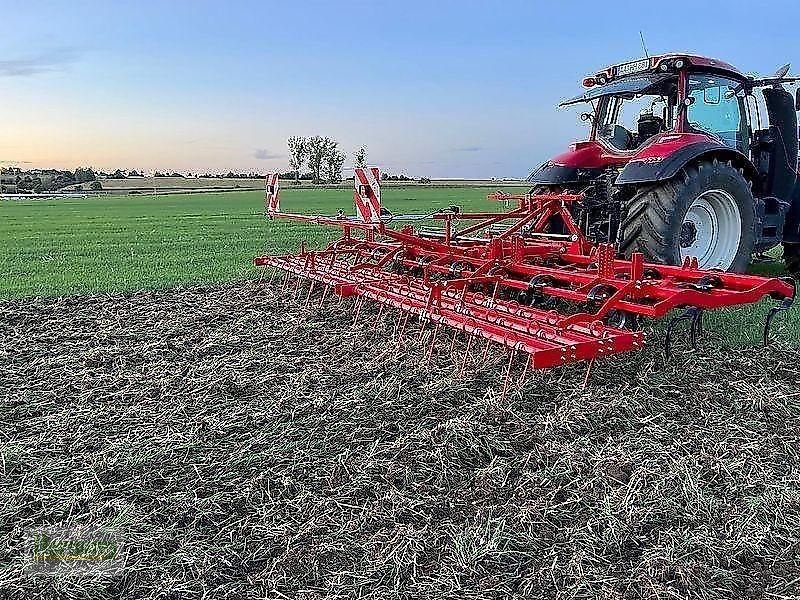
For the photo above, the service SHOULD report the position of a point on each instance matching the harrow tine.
(466, 355)
(511, 356)
(403, 327)
(324, 295)
(423, 323)
(310, 291)
(524, 373)
(380, 312)
(359, 305)
(272, 276)
(433, 342)
(285, 282)
(486, 350)
(588, 372)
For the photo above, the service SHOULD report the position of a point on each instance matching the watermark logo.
(71, 549)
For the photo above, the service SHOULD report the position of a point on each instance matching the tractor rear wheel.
(791, 256)
(705, 212)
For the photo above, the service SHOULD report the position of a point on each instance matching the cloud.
(468, 149)
(46, 62)
(264, 154)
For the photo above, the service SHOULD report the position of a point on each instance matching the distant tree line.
(322, 158)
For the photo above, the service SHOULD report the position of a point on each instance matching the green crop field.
(104, 244)
(98, 244)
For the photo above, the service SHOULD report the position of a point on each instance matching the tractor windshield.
(631, 110)
(627, 120)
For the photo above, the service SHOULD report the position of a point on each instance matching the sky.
(434, 88)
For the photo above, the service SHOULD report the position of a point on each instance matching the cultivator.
(511, 277)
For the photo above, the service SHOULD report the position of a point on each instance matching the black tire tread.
(647, 225)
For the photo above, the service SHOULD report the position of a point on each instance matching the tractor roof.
(653, 63)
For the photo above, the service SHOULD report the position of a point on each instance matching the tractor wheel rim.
(711, 230)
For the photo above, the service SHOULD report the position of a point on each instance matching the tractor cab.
(673, 125)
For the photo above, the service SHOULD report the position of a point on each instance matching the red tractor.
(687, 157)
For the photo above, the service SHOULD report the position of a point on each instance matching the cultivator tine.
(308, 296)
(507, 376)
(785, 305)
(359, 303)
(466, 355)
(524, 375)
(434, 334)
(324, 295)
(694, 316)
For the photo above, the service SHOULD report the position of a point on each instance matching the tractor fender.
(654, 168)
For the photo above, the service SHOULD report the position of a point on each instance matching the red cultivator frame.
(506, 278)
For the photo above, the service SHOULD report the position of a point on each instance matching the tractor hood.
(585, 161)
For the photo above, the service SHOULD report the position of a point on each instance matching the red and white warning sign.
(272, 195)
(367, 194)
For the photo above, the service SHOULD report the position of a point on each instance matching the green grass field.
(131, 242)
(107, 244)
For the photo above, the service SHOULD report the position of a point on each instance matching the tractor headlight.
(664, 67)
(680, 63)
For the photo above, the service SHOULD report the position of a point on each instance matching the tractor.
(687, 157)
(686, 174)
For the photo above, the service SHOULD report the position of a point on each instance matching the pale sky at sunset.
(436, 88)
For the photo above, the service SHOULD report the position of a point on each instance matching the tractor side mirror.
(797, 99)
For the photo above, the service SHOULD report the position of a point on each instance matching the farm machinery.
(628, 225)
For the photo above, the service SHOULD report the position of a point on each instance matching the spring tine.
(423, 323)
(285, 281)
(405, 322)
(297, 286)
(310, 291)
(466, 355)
(324, 295)
(508, 372)
(272, 276)
(380, 311)
(433, 341)
(588, 372)
(359, 304)
(524, 372)
(453, 341)
(485, 350)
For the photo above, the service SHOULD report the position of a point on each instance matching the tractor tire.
(705, 212)
(791, 256)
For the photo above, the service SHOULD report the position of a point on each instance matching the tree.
(318, 149)
(298, 151)
(360, 157)
(334, 161)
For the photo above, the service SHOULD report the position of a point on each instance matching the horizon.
(453, 90)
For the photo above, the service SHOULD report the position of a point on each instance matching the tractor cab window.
(717, 108)
(631, 119)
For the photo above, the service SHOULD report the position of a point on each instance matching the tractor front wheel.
(706, 213)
